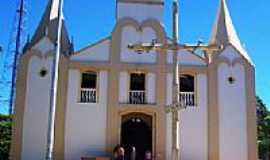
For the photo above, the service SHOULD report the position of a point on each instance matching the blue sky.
(91, 20)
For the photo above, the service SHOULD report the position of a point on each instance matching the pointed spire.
(224, 32)
(48, 25)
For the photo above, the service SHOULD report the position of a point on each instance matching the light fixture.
(136, 120)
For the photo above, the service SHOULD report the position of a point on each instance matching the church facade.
(109, 95)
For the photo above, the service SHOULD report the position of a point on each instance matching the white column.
(151, 88)
(123, 87)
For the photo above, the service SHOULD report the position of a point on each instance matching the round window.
(43, 72)
(231, 79)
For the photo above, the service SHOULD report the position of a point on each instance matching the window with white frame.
(137, 88)
(187, 89)
(88, 87)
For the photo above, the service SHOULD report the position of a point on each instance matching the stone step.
(95, 158)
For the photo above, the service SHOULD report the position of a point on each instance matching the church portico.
(137, 134)
(154, 119)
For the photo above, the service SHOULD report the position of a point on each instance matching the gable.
(230, 52)
(96, 52)
(130, 35)
(44, 45)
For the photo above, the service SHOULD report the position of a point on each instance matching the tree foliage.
(5, 136)
(263, 120)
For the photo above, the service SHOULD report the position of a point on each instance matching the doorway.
(136, 131)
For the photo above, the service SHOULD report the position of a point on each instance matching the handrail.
(88, 95)
(188, 98)
(137, 97)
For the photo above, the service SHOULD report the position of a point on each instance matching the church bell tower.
(141, 10)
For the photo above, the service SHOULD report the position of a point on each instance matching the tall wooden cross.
(177, 104)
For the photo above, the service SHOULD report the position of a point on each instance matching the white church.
(109, 95)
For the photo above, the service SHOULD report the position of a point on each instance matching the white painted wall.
(140, 12)
(124, 87)
(35, 122)
(131, 35)
(232, 113)
(193, 124)
(186, 58)
(44, 45)
(85, 128)
(230, 53)
(169, 117)
(169, 136)
(98, 52)
(151, 88)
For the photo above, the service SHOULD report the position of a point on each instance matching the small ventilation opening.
(43, 72)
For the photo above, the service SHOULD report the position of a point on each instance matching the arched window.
(88, 87)
(187, 89)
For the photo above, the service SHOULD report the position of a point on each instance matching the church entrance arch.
(136, 131)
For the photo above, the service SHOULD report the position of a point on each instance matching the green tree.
(263, 120)
(5, 136)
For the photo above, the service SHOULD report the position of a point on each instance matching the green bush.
(263, 116)
(5, 136)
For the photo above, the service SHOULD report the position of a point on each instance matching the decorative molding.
(116, 67)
